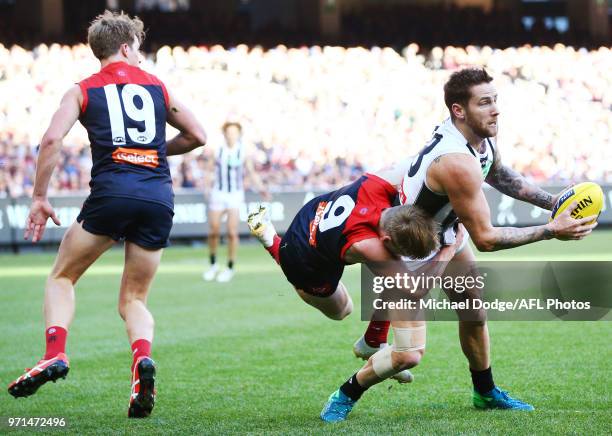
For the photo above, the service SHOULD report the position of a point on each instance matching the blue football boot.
(498, 399)
(337, 408)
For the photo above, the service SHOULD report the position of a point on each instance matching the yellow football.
(589, 197)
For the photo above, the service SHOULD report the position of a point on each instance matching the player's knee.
(62, 274)
(406, 352)
(343, 312)
(388, 362)
(407, 359)
(339, 315)
(408, 346)
(346, 309)
(121, 308)
(127, 299)
(233, 235)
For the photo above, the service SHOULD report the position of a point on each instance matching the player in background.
(227, 196)
(355, 224)
(445, 179)
(124, 110)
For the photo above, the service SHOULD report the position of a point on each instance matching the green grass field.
(250, 357)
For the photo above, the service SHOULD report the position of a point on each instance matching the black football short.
(305, 270)
(144, 223)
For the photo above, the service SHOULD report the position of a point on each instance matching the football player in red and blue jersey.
(358, 224)
(125, 111)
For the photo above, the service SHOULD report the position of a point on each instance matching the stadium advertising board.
(190, 213)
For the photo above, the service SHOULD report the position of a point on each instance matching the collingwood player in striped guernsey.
(231, 160)
(445, 179)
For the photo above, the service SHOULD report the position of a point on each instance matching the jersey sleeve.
(358, 233)
(375, 195)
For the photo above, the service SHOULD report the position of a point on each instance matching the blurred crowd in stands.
(317, 117)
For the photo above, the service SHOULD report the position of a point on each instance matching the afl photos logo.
(136, 156)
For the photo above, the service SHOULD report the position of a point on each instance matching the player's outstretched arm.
(509, 182)
(48, 156)
(460, 178)
(191, 133)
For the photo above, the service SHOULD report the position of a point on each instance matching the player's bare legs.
(78, 250)
(399, 361)
(214, 233)
(474, 338)
(139, 270)
(407, 350)
(233, 220)
(473, 335)
(337, 306)
(475, 344)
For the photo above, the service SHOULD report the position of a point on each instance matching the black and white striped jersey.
(229, 166)
(446, 139)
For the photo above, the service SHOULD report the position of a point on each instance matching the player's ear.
(385, 238)
(458, 111)
(124, 49)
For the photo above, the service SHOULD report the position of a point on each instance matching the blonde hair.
(110, 30)
(412, 231)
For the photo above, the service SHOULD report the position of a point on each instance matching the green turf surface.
(250, 357)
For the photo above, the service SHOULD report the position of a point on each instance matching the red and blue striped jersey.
(329, 224)
(124, 111)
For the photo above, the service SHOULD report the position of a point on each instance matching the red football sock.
(140, 348)
(56, 341)
(273, 249)
(376, 333)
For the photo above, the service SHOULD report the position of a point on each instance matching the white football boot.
(225, 275)
(362, 350)
(261, 226)
(211, 273)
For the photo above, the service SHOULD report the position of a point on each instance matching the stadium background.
(325, 90)
(230, 59)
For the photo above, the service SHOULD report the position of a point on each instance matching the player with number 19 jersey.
(124, 111)
(312, 250)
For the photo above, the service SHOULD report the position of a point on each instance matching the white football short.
(220, 200)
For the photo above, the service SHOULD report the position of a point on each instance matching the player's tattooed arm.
(462, 180)
(509, 182)
(564, 227)
(510, 237)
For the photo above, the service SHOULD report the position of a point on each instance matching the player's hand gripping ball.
(589, 197)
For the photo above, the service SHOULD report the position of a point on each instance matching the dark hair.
(413, 232)
(458, 88)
